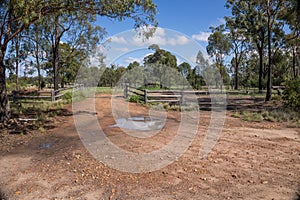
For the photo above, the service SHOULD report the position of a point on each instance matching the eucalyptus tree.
(239, 47)
(37, 47)
(275, 35)
(291, 16)
(135, 74)
(260, 21)
(218, 47)
(160, 64)
(16, 54)
(69, 63)
(22, 14)
(248, 17)
(184, 70)
(195, 76)
(73, 28)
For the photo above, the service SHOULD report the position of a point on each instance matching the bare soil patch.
(250, 161)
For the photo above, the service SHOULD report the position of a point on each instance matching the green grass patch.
(271, 115)
(135, 99)
(103, 90)
(42, 111)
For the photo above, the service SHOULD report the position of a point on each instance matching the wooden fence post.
(181, 96)
(126, 91)
(145, 96)
(53, 95)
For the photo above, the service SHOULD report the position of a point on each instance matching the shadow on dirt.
(3, 196)
(31, 120)
(235, 104)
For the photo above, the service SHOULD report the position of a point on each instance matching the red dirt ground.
(250, 161)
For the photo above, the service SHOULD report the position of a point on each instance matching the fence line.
(53, 95)
(148, 96)
(175, 96)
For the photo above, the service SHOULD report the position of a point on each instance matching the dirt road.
(249, 161)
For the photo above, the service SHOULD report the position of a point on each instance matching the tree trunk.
(294, 64)
(269, 84)
(260, 75)
(236, 84)
(17, 63)
(55, 47)
(55, 67)
(4, 103)
(38, 61)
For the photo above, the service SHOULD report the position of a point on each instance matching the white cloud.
(160, 38)
(155, 39)
(130, 59)
(116, 39)
(178, 40)
(123, 49)
(160, 32)
(202, 36)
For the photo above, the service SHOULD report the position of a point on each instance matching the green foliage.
(271, 115)
(110, 76)
(135, 98)
(103, 90)
(218, 43)
(67, 97)
(160, 65)
(78, 95)
(291, 94)
(42, 111)
(150, 87)
(10, 87)
(252, 116)
(218, 46)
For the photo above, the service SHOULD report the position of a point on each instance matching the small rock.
(264, 182)
(234, 175)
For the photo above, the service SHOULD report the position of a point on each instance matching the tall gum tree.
(239, 47)
(218, 47)
(247, 16)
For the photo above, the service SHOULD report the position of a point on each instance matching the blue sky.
(191, 18)
(186, 16)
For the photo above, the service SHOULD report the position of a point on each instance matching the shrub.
(67, 97)
(291, 94)
(135, 98)
(10, 87)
